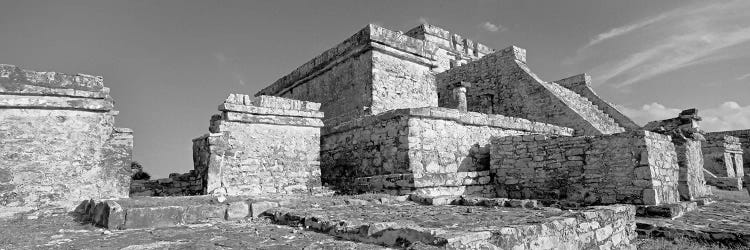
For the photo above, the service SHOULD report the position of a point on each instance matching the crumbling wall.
(635, 167)
(501, 83)
(744, 139)
(58, 143)
(452, 49)
(722, 155)
(260, 145)
(685, 134)
(435, 151)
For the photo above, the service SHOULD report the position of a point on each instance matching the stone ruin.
(260, 145)
(425, 113)
(724, 161)
(58, 142)
(686, 136)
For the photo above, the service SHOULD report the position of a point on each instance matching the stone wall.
(501, 83)
(692, 182)
(722, 156)
(744, 139)
(636, 167)
(373, 71)
(175, 185)
(260, 145)
(58, 143)
(452, 49)
(433, 150)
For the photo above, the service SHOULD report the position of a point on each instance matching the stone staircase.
(585, 108)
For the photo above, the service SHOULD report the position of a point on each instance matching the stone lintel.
(269, 111)
(33, 90)
(271, 119)
(11, 76)
(55, 102)
(123, 130)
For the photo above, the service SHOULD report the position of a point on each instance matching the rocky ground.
(62, 232)
(731, 213)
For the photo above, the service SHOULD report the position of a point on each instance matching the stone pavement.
(62, 232)
(722, 221)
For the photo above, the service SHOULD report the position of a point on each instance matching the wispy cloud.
(678, 52)
(619, 31)
(423, 20)
(743, 77)
(491, 27)
(669, 41)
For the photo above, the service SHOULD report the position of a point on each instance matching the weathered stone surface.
(636, 167)
(744, 139)
(686, 135)
(203, 212)
(723, 222)
(154, 217)
(722, 158)
(435, 150)
(452, 227)
(58, 143)
(237, 210)
(62, 232)
(260, 149)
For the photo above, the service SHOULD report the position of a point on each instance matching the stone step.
(154, 212)
(585, 108)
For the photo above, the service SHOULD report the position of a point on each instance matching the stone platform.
(726, 222)
(62, 232)
(391, 221)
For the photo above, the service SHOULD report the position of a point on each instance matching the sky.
(171, 63)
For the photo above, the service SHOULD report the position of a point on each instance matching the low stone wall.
(635, 167)
(176, 185)
(58, 141)
(260, 145)
(438, 151)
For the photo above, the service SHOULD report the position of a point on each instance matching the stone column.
(459, 95)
